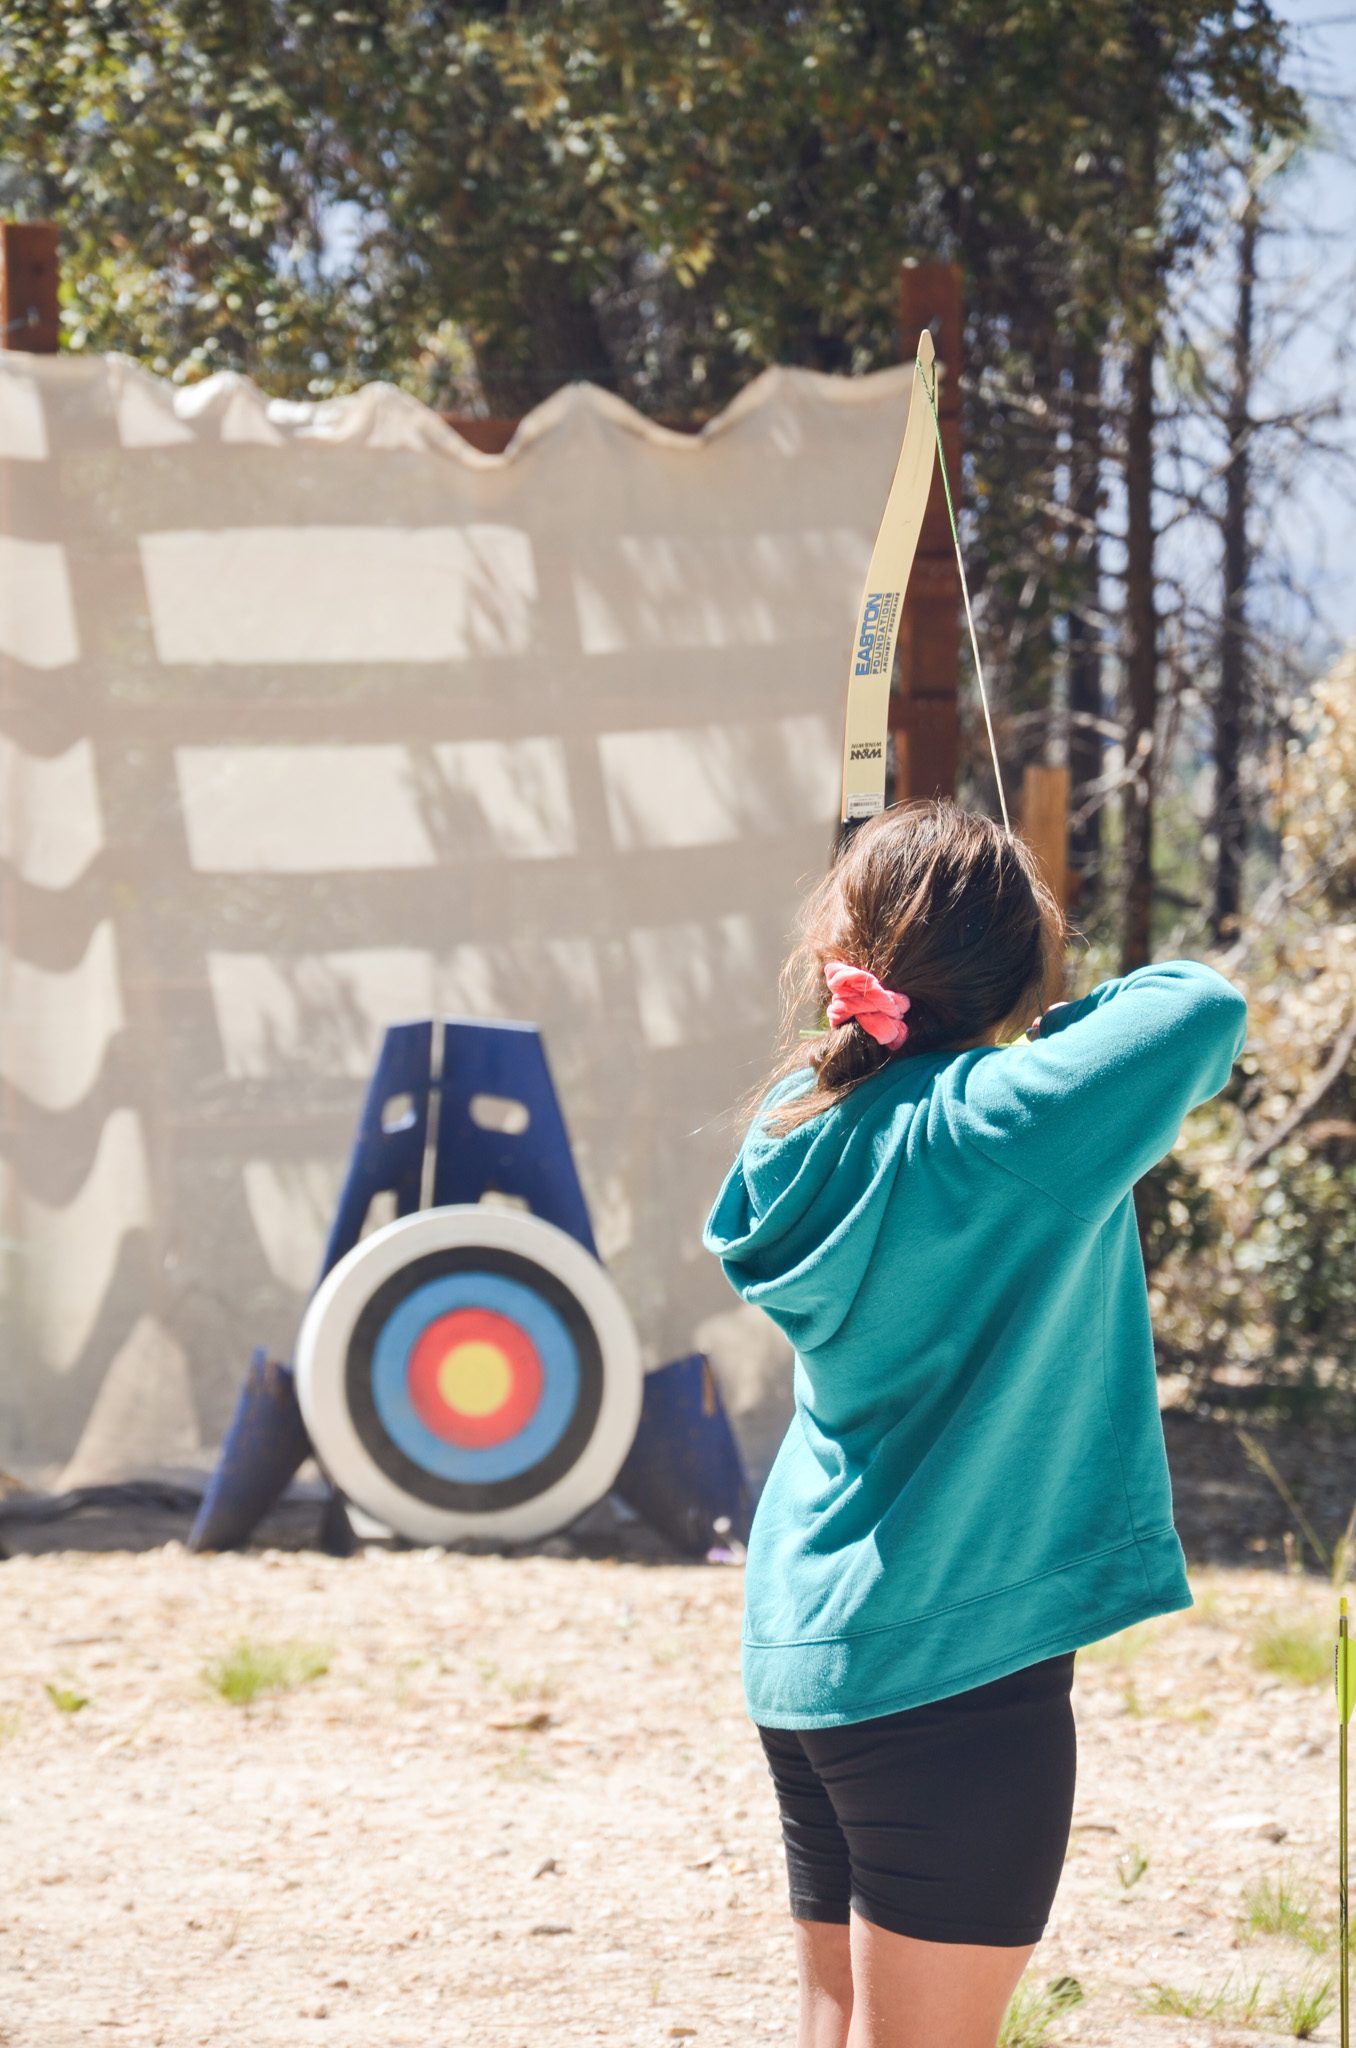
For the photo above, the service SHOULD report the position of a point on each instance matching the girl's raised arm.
(1098, 1096)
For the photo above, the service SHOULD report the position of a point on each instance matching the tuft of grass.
(1131, 1867)
(1338, 1560)
(1298, 1651)
(1207, 1609)
(405, 1687)
(522, 1767)
(1231, 2008)
(9, 1726)
(1344, 1552)
(1279, 1906)
(543, 1688)
(64, 1699)
(1195, 1716)
(1032, 2012)
(251, 1668)
(1303, 2007)
(1124, 1647)
(1260, 1459)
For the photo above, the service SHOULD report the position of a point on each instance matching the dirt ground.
(522, 1805)
(516, 1801)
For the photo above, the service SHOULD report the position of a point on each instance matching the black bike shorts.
(948, 1821)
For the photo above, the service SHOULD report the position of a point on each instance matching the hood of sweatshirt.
(797, 1218)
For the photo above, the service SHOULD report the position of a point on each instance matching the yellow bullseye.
(475, 1378)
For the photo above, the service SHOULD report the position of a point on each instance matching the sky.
(1317, 252)
(1302, 594)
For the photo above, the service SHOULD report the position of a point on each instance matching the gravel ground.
(522, 1805)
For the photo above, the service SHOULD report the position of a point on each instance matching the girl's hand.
(1034, 1028)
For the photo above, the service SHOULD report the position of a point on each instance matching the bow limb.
(866, 724)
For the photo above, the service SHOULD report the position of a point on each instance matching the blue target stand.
(421, 1142)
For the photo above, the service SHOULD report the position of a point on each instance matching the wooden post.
(1045, 823)
(28, 320)
(923, 709)
(28, 286)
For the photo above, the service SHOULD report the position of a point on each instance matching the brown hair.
(940, 904)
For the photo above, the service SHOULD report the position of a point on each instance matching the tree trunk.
(1029, 667)
(558, 340)
(1082, 635)
(1141, 663)
(1230, 818)
(1141, 603)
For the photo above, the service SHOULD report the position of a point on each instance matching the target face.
(469, 1371)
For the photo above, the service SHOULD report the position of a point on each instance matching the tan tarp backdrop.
(313, 719)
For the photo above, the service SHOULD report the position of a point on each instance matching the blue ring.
(390, 1377)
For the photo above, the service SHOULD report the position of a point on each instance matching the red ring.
(481, 1326)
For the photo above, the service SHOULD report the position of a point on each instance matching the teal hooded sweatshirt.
(974, 1477)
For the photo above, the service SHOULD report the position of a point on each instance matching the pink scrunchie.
(855, 992)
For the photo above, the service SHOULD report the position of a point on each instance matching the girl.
(974, 1481)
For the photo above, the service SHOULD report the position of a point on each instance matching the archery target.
(469, 1371)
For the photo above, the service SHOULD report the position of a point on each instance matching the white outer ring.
(322, 1347)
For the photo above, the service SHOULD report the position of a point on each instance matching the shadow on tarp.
(683, 1473)
(1226, 1512)
(145, 1514)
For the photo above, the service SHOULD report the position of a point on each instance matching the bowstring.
(931, 392)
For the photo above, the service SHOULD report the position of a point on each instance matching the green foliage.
(183, 151)
(1178, 1215)
(1304, 1247)
(1254, 1265)
(1315, 790)
(251, 1668)
(663, 197)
